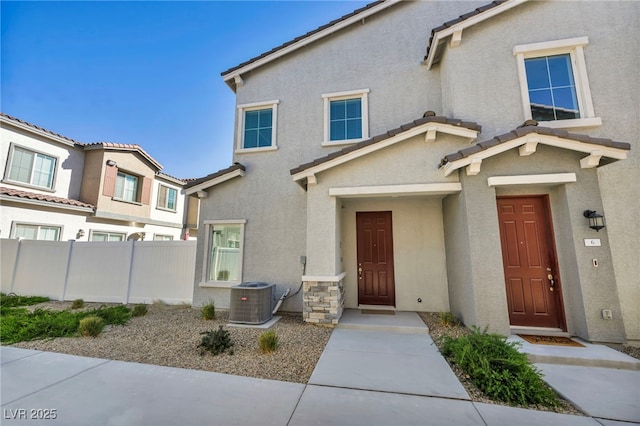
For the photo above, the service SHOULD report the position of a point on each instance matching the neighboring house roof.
(11, 194)
(123, 147)
(453, 29)
(429, 124)
(200, 184)
(526, 137)
(24, 124)
(171, 178)
(232, 75)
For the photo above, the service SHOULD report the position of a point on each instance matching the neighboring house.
(344, 184)
(56, 188)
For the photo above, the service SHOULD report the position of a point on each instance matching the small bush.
(209, 311)
(216, 342)
(77, 304)
(91, 326)
(140, 310)
(447, 319)
(12, 300)
(497, 368)
(268, 341)
(116, 315)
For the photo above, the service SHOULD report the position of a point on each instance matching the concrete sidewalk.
(364, 377)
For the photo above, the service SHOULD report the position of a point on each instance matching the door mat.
(551, 340)
(376, 312)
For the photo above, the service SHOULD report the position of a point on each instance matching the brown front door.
(530, 264)
(375, 259)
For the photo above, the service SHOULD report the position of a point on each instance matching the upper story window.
(36, 232)
(106, 236)
(257, 123)
(158, 237)
(167, 198)
(554, 83)
(126, 187)
(346, 117)
(31, 167)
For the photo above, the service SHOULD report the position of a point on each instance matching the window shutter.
(146, 191)
(110, 181)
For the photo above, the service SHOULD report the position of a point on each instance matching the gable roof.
(111, 146)
(233, 75)
(526, 137)
(37, 129)
(453, 29)
(43, 199)
(429, 124)
(213, 179)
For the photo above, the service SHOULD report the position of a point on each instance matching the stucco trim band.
(324, 278)
(554, 178)
(397, 190)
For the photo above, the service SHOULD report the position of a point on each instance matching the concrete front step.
(400, 322)
(591, 355)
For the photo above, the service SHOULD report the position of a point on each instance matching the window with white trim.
(225, 245)
(167, 198)
(31, 167)
(126, 187)
(106, 236)
(158, 237)
(36, 232)
(257, 124)
(346, 117)
(554, 83)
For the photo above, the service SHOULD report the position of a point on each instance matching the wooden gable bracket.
(238, 80)
(202, 194)
(430, 135)
(529, 147)
(456, 38)
(312, 180)
(592, 160)
(474, 166)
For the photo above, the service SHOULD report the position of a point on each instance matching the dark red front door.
(375, 259)
(528, 253)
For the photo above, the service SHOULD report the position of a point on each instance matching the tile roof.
(459, 19)
(429, 117)
(530, 126)
(43, 197)
(309, 34)
(33, 126)
(198, 181)
(123, 147)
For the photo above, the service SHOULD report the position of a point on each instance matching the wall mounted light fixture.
(80, 234)
(596, 220)
(111, 163)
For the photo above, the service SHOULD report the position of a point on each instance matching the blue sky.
(143, 72)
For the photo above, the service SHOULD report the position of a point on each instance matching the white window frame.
(92, 232)
(363, 94)
(7, 178)
(162, 237)
(165, 208)
(274, 125)
(14, 229)
(208, 224)
(136, 198)
(575, 48)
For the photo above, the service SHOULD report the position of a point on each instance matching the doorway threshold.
(538, 331)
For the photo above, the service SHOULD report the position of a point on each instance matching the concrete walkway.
(364, 377)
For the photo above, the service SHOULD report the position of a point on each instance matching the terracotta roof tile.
(428, 118)
(125, 147)
(43, 197)
(525, 130)
(198, 181)
(309, 34)
(26, 123)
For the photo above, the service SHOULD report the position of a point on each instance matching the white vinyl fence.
(117, 272)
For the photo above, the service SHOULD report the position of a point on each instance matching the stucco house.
(56, 188)
(439, 156)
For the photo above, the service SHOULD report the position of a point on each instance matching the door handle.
(360, 272)
(551, 282)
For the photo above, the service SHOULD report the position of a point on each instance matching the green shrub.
(497, 368)
(268, 341)
(91, 326)
(216, 342)
(115, 315)
(140, 310)
(12, 300)
(447, 319)
(77, 304)
(209, 311)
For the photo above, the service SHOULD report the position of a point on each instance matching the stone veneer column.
(323, 302)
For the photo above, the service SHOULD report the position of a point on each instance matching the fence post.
(126, 297)
(15, 266)
(66, 273)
